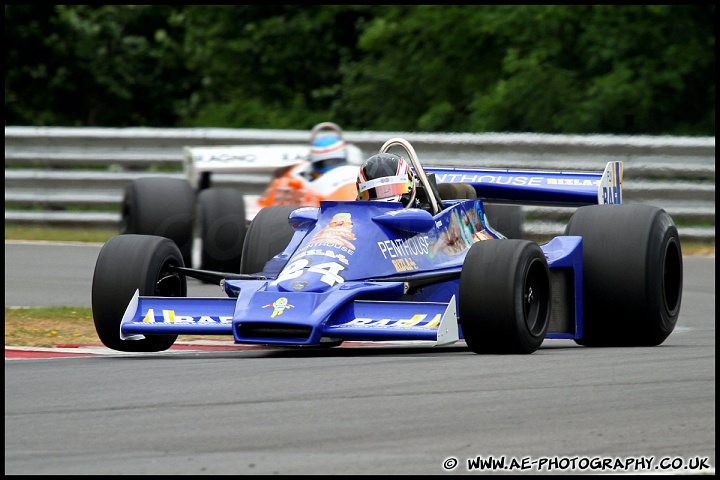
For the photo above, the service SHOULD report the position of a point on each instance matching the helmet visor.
(324, 166)
(384, 187)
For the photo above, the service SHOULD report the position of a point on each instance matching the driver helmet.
(326, 153)
(386, 177)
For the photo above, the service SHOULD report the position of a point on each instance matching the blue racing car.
(437, 272)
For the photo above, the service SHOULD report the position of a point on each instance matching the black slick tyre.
(268, 234)
(160, 206)
(127, 263)
(632, 274)
(221, 218)
(506, 219)
(504, 297)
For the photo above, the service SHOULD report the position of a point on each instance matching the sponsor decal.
(405, 264)
(325, 253)
(611, 184)
(287, 195)
(288, 156)
(464, 228)
(572, 182)
(279, 306)
(229, 158)
(337, 233)
(516, 180)
(348, 251)
(418, 320)
(398, 247)
(169, 316)
(484, 178)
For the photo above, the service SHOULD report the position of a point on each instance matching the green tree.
(546, 68)
(627, 69)
(421, 67)
(81, 65)
(268, 66)
(638, 69)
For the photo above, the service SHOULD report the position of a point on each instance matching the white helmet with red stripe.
(386, 177)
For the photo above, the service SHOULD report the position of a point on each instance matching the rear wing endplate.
(610, 188)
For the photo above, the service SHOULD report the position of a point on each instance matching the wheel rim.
(535, 298)
(671, 284)
(169, 283)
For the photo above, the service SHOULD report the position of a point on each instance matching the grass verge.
(58, 234)
(57, 326)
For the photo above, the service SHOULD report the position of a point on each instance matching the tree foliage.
(635, 69)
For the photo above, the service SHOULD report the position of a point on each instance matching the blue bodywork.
(368, 271)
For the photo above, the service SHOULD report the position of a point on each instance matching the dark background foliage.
(635, 69)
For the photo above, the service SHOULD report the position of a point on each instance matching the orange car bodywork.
(290, 187)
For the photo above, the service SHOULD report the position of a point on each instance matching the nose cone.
(308, 283)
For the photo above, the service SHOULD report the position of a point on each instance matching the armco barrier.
(76, 176)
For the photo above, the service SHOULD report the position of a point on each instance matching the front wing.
(291, 318)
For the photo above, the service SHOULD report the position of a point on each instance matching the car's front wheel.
(127, 263)
(504, 297)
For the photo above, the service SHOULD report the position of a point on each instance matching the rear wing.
(535, 187)
(249, 159)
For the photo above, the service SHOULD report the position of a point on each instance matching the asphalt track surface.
(214, 408)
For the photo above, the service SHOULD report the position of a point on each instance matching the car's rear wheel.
(221, 218)
(632, 274)
(506, 219)
(160, 206)
(504, 297)
(127, 263)
(268, 234)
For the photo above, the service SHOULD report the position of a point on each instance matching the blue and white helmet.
(326, 153)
